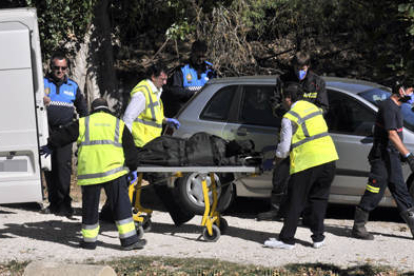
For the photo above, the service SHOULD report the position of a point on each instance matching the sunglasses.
(57, 68)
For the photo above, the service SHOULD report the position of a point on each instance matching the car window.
(375, 96)
(256, 106)
(217, 109)
(348, 116)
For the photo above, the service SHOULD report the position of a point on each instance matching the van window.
(348, 116)
(256, 106)
(217, 109)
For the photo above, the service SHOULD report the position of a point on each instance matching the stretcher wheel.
(140, 230)
(147, 225)
(223, 225)
(214, 237)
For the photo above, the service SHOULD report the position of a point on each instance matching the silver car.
(240, 108)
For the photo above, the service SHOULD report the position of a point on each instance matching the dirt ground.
(26, 234)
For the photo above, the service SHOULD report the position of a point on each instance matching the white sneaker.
(318, 244)
(274, 243)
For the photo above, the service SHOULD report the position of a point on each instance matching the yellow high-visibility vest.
(100, 154)
(148, 125)
(311, 143)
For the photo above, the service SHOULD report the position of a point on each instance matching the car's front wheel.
(191, 196)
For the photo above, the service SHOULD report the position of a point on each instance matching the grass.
(157, 266)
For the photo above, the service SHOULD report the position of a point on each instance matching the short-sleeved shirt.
(389, 117)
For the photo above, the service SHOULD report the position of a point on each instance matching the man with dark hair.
(305, 136)
(312, 89)
(144, 114)
(384, 159)
(187, 79)
(312, 85)
(106, 154)
(62, 95)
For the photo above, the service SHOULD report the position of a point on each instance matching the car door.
(350, 124)
(255, 120)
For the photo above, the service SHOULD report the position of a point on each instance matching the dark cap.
(292, 90)
(99, 104)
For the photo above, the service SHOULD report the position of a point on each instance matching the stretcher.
(212, 222)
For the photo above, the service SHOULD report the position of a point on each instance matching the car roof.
(350, 85)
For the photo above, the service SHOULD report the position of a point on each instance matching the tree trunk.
(84, 71)
(103, 56)
(94, 62)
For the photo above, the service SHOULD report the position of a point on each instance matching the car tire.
(190, 193)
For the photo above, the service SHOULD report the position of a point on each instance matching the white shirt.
(137, 105)
(286, 134)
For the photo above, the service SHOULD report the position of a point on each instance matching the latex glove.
(45, 150)
(172, 122)
(410, 161)
(132, 177)
(267, 165)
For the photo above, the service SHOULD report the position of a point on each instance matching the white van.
(23, 119)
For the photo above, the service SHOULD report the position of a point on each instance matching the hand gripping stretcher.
(211, 220)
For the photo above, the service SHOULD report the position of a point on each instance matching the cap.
(99, 104)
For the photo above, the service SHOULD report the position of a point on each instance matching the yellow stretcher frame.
(212, 221)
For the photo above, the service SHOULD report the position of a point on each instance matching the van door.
(20, 174)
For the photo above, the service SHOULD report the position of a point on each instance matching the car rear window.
(377, 95)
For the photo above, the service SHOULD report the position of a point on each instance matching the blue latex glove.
(132, 177)
(172, 122)
(45, 150)
(267, 165)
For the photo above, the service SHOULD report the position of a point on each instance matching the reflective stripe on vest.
(90, 232)
(310, 95)
(88, 142)
(101, 156)
(148, 125)
(126, 228)
(311, 143)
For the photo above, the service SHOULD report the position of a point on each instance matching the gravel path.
(28, 235)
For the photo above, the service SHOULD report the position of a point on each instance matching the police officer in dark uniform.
(384, 159)
(187, 79)
(62, 97)
(312, 89)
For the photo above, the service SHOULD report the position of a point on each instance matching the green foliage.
(60, 21)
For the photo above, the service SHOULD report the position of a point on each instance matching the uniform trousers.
(386, 171)
(58, 179)
(308, 188)
(117, 200)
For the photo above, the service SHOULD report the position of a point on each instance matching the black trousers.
(281, 177)
(117, 200)
(308, 188)
(58, 179)
(386, 171)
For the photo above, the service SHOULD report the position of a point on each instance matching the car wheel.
(410, 184)
(191, 197)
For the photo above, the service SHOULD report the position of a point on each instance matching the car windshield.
(377, 95)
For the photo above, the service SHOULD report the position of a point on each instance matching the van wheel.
(410, 184)
(190, 193)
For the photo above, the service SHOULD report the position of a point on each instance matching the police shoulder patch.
(189, 77)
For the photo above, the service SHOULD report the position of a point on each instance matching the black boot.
(359, 231)
(275, 201)
(408, 216)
